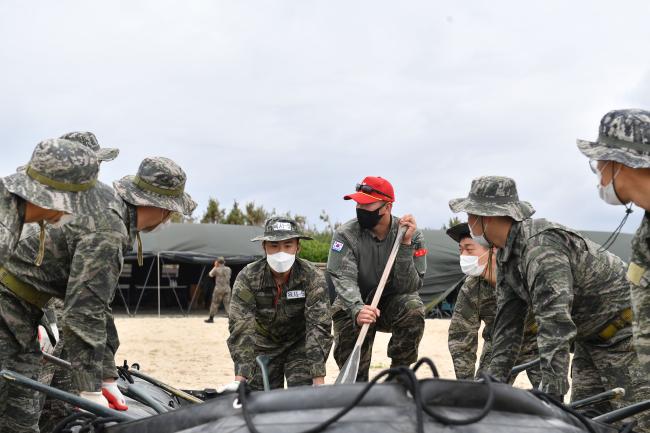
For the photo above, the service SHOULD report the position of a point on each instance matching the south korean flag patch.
(337, 246)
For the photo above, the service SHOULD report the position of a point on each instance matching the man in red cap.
(359, 252)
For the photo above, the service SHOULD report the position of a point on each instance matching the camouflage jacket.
(262, 314)
(12, 215)
(221, 277)
(638, 274)
(357, 259)
(476, 303)
(573, 288)
(82, 264)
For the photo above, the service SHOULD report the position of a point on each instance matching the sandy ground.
(190, 354)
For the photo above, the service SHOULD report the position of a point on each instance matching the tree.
(255, 215)
(235, 216)
(179, 218)
(453, 221)
(213, 214)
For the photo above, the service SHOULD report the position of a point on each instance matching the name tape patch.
(295, 294)
(282, 226)
(337, 246)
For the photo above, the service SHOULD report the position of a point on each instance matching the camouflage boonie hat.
(57, 175)
(89, 140)
(221, 260)
(280, 229)
(623, 136)
(459, 232)
(493, 196)
(160, 182)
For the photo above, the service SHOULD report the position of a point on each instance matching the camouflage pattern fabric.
(89, 140)
(493, 196)
(575, 290)
(278, 229)
(402, 315)
(597, 368)
(265, 319)
(638, 274)
(160, 182)
(623, 136)
(19, 352)
(355, 264)
(476, 303)
(58, 176)
(221, 293)
(82, 265)
(357, 259)
(12, 215)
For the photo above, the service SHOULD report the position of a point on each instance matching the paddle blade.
(348, 373)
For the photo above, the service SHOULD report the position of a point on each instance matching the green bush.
(316, 250)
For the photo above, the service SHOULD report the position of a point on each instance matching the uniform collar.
(511, 243)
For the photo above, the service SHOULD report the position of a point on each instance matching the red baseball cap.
(372, 189)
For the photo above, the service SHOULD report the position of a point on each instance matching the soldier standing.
(82, 266)
(280, 308)
(477, 302)
(359, 252)
(58, 179)
(620, 157)
(221, 274)
(577, 291)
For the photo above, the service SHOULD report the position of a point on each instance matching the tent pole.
(158, 260)
(198, 288)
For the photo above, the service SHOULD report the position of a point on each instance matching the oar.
(263, 362)
(348, 373)
(612, 394)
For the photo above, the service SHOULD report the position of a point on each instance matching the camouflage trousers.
(220, 295)
(401, 315)
(19, 352)
(529, 353)
(286, 361)
(53, 410)
(640, 297)
(599, 368)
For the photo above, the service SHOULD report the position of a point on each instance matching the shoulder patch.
(634, 273)
(247, 296)
(420, 252)
(337, 246)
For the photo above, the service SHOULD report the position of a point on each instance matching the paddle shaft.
(382, 283)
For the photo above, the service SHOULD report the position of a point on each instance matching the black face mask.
(368, 219)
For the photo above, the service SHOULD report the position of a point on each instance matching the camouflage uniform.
(290, 324)
(624, 137)
(577, 291)
(476, 302)
(221, 293)
(355, 264)
(61, 175)
(82, 266)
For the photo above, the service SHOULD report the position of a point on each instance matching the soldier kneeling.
(280, 308)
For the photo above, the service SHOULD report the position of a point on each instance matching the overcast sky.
(290, 103)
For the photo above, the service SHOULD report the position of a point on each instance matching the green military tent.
(180, 256)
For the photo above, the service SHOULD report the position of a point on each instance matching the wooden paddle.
(348, 373)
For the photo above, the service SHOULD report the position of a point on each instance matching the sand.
(190, 354)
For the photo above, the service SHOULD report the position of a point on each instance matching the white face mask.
(470, 265)
(607, 193)
(281, 262)
(65, 218)
(479, 239)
